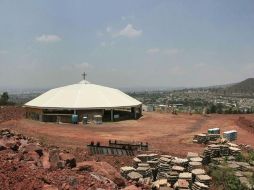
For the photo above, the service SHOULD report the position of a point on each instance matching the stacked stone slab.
(234, 151)
(213, 137)
(136, 161)
(181, 184)
(218, 160)
(196, 172)
(135, 176)
(126, 170)
(196, 159)
(178, 169)
(224, 150)
(180, 162)
(163, 169)
(205, 179)
(166, 156)
(245, 182)
(165, 160)
(244, 166)
(143, 165)
(206, 156)
(194, 165)
(233, 165)
(168, 171)
(152, 157)
(160, 183)
(153, 163)
(192, 155)
(144, 171)
(215, 150)
(199, 186)
(173, 177)
(200, 138)
(143, 157)
(186, 176)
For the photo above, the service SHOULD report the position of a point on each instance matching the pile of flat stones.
(220, 150)
(167, 172)
(242, 170)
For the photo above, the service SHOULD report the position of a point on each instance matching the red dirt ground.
(165, 132)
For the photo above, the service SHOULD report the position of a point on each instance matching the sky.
(126, 44)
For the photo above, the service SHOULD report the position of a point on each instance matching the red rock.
(84, 166)
(33, 147)
(54, 158)
(131, 187)
(45, 160)
(61, 164)
(103, 169)
(49, 187)
(31, 156)
(2, 146)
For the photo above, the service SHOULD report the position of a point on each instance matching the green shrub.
(224, 176)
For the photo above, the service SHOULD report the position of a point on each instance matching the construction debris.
(205, 179)
(27, 164)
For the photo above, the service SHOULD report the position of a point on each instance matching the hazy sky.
(129, 43)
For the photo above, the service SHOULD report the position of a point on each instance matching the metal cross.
(84, 75)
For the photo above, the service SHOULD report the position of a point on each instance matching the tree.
(213, 109)
(4, 98)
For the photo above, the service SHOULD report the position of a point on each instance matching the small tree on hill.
(4, 98)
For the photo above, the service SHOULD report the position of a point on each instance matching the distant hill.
(246, 86)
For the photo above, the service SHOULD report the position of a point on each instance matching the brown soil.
(11, 112)
(165, 132)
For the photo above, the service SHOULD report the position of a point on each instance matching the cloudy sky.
(159, 43)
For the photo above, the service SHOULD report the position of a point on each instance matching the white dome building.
(83, 99)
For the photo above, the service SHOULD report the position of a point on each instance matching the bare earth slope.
(165, 132)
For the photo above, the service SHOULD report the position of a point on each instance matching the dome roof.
(83, 95)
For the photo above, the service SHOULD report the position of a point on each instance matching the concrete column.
(75, 112)
(41, 117)
(112, 115)
(135, 113)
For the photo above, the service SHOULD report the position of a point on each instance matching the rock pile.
(26, 164)
(219, 150)
(168, 172)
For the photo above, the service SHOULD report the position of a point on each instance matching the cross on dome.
(84, 75)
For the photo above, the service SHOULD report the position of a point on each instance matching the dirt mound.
(25, 164)
(246, 124)
(11, 113)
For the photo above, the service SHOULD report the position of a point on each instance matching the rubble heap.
(26, 164)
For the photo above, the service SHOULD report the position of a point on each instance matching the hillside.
(246, 86)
